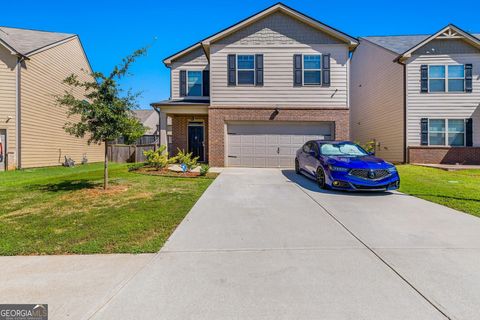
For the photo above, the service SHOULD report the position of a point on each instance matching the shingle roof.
(400, 44)
(25, 41)
(182, 102)
(143, 115)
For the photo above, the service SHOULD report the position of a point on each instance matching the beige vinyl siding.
(8, 98)
(278, 88)
(279, 37)
(195, 60)
(441, 105)
(44, 141)
(377, 100)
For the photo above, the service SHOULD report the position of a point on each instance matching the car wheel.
(321, 178)
(297, 166)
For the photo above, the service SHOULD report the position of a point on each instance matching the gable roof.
(405, 45)
(25, 42)
(279, 7)
(142, 114)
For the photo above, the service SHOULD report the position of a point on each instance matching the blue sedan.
(344, 165)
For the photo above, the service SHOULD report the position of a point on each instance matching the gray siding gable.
(278, 28)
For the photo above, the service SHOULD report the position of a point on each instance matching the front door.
(3, 149)
(196, 139)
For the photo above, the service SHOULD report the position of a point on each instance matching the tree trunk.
(105, 168)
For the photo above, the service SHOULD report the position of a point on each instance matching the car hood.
(365, 162)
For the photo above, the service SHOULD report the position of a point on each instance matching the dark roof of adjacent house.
(143, 115)
(25, 41)
(401, 44)
(182, 102)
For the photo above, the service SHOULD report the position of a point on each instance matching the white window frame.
(446, 78)
(201, 82)
(237, 69)
(446, 132)
(303, 69)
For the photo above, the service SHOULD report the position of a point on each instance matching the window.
(449, 132)
(446, 78)
(246, 69)
(456, 78)
(312, 69)
(194, 83)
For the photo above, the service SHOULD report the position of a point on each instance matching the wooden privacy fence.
(128, 153)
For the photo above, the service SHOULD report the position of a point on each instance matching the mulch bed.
(169, 173)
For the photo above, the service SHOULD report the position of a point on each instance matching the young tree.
(105, 110)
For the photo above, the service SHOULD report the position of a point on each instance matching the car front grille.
(360, 187)
(370, 174)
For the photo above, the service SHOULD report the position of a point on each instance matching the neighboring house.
(33, 65)
(252, 94)
(418, 96)
(150, 120)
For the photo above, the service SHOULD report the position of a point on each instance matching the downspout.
(405, 152)
(18, 115)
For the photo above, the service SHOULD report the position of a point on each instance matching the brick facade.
(444, 155)
(180, 132)
(219, 116)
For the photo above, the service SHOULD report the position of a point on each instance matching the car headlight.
(392, 169)
(339, 169)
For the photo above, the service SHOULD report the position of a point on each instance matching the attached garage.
(271, 144)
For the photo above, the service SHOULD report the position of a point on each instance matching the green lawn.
(455, 189)
(64, 210)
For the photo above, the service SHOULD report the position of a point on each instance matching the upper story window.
(442, 78)
(312, 69)
(194, 83)
(450, 132)
(246, 69)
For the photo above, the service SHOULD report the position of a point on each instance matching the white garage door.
(271, 144)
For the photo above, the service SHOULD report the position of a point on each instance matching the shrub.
(158, 158)
(186, 159)
(204, 169)
(135, 166)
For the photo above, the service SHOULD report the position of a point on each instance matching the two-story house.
(33, 65)
(418, 96)
(251, 94)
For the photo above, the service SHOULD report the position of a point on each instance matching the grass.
(65, 211)
(459, 190)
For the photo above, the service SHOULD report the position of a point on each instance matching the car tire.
(320, 177)
(297, 166)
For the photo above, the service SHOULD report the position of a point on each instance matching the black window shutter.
(326, 70)
(468, 78)
(424, 78)
(259, 69)
(206, 83)
(232, 70)
(183, 83)
(297, 70)
(469, 132)
(424, 131)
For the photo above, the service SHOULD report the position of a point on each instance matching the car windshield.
(342, 149)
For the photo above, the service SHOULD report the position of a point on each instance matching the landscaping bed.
(170, 173)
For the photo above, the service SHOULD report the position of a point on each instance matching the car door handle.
(278, 150)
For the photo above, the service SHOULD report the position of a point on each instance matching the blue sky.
(110, 30)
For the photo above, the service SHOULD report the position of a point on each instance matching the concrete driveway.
(267, 244)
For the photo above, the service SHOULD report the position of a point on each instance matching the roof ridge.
(36, 30)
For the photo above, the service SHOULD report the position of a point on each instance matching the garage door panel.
(271, 144)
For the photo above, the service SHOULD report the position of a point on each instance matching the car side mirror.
(313, 154)
(371, 153)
